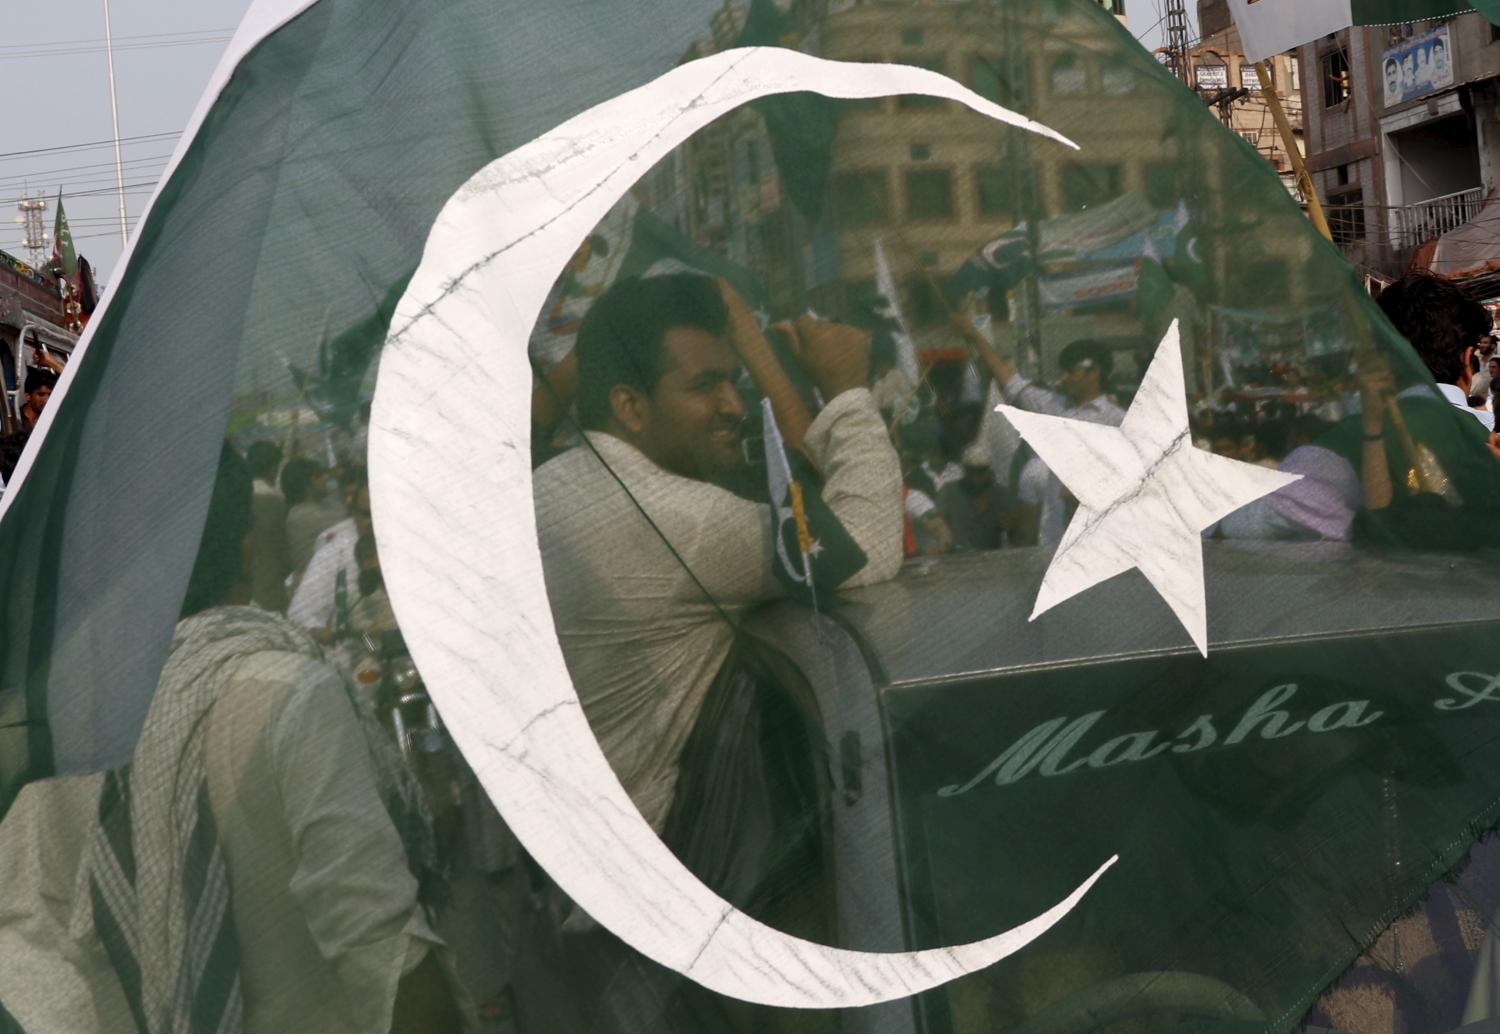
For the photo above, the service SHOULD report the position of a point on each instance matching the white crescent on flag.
(451, 487)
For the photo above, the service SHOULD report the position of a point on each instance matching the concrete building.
(1218, 70)
(930, 179)
(1403, 133)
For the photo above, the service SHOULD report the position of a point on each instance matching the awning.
(1469, 253)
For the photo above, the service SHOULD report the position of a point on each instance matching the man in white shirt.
(314, 602)
(648, 561)
(1084, 369)
(247, 862)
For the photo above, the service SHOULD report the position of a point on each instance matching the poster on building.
(1417, 66)
(1211, 77)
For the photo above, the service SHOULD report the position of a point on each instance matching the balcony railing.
(1432, 218)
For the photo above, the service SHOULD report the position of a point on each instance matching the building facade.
(1218, 70)
(1403, 133)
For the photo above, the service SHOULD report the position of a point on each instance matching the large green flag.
(1207, 744)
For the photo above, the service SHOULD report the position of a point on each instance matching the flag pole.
(114, 111)
(1425, 466)
(1294, 154)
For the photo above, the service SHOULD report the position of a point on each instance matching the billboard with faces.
(1417, 66)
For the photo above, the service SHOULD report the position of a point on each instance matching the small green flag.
(63, 255)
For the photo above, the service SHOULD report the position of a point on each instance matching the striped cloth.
(154, 885)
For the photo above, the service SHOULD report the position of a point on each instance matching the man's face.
(38, 397)
(1495, 371)
(1439, 61)
(1080, 383)
(690, 422)
(1487, 345)
(1392, 79)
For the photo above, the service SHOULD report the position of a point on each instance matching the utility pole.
(1177, 39)
(114, 111)
(35, 242)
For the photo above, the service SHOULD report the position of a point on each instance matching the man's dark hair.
(40, 379)
(620, 341)
(297, 477)
(1087, 351)
(219, 564)
(264, 458)
(1438, 320)
(1391, 66)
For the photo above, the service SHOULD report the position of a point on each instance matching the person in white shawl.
(245, 872)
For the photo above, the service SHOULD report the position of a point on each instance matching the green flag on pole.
(63, 253)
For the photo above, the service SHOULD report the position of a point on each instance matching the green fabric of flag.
(1490, 9)
(1396, 12)
(1300, 814)
(801, 125)
(62, 242)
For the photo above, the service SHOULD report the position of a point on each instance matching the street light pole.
(114, 111)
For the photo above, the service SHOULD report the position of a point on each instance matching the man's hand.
(744, 329)
(1376, 385)
(45, 359)
(835, 356)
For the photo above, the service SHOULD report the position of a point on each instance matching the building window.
(1296, 67)
(920, 152)
(913, 101)
(1114, 7)
(929, 194)
(1252, 137)
(1069, 74)
(1335, 78)
(1085, 185)
(1117, 77)
(1002, 80)
(861, 199)
(995, 190)
(1346, 216)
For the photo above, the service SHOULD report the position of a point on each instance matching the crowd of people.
(656, 532)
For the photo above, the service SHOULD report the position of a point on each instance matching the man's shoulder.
(344, 532)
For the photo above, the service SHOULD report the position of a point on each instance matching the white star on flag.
(1145, 494)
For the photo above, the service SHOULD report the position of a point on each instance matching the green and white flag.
(1200, 758)
(1270, 27)
(62, 243)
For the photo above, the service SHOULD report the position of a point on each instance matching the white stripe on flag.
(1271, 27)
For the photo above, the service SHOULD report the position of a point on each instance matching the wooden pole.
(1289, 141)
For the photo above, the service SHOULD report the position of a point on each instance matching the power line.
(17, 52)
(56, 180)
(146, 36)
(93, 145)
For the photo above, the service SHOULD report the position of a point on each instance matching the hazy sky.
(52, 58)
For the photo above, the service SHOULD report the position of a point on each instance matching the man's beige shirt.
(640, 621)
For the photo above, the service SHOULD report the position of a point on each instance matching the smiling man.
(647, 559)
